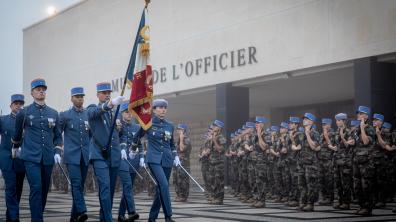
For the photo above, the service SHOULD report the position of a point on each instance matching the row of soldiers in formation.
(36, 138)
(181, 181)
(295, 164)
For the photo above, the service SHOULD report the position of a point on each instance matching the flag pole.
(130, 69)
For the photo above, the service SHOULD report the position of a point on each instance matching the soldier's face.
(78, 100)
(103, 96)
(293, 126)
(39, 93)
(362, 116)
(126, 116)
(180, 131)
(160, 111)
(325, 126)
(377, 123)
(307, 122)
(283, 130)
(16, 106)
(259, 125)
(340, 123)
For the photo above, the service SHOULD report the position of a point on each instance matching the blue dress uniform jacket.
(38, 124)
(106, 170)
(41, 138)
(160, 156)
(13, 169)
(126, 173)
(74, 124)
(128, 131)
(100, 121)
(7, 130)
(161, 148)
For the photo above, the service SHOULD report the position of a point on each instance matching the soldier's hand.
(141, 162)
(377, 130)
(57, 158)
(123, 155)
(176, 162)
(117, 101)
(362, 124)
(342, 131)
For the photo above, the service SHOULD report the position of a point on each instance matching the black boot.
(132, 217)
(82, 217)
(169, 219)
(121, 218)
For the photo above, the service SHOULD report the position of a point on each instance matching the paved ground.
(196, 209)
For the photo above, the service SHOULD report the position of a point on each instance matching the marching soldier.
(308, 144)
(41, 146)
(74, 124)
(161, 153)
(126, 172)
(105, 160)
(363, 167)
(11, 166)
(216, 162)
(344, 147)
(180, 178)
(326, 169)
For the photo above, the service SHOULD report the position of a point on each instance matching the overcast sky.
(14, 16)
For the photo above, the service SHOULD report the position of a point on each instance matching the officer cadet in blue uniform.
(126, 173)
(41, 146)
(74, 124)
(161, 153)
(12, 167)
(105, 159)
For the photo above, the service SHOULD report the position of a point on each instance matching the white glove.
(141, 163)
(176, 162)
(117, 100)
(57, 158)
(132, 155)
(18, 153)
(123, 155)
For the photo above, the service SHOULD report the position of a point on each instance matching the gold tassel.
(145, 49)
